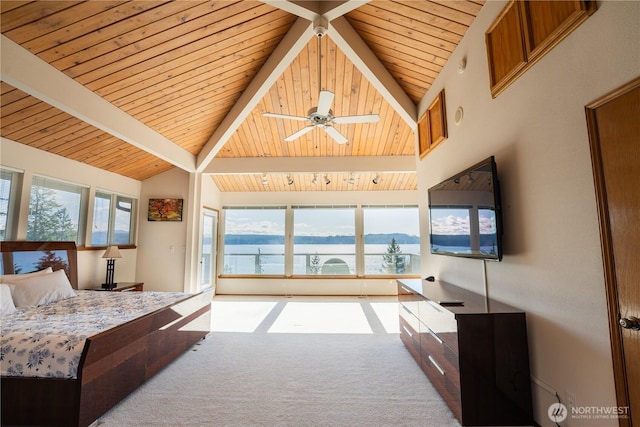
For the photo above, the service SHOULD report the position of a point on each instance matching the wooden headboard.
(25, 257)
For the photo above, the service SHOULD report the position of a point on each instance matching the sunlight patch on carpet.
(231, 316)
(322, 318)
(387, 312)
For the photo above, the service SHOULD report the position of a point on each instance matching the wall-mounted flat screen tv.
(465, 214)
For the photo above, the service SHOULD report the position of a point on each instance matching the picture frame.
(432, 125)
(167, 209)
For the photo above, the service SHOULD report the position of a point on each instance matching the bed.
(111, 361)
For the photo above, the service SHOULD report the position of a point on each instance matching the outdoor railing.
(322, 264)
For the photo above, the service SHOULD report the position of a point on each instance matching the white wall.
(31, 161)
(536, 128)
(162, 245)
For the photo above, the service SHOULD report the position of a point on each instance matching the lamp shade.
(112, 252)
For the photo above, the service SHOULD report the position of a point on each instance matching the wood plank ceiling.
(200, 74)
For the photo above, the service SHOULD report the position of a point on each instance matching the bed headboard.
(25, 257)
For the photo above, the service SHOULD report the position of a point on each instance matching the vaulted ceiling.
(139, 87)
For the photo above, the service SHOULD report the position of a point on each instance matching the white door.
(209, 248)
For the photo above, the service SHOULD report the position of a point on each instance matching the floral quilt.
(47, 341)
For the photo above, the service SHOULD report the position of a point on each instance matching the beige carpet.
(291, 362)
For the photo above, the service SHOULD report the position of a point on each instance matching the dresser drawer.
(439, 354)
(410, 338)
(443, 382)
(440, 321)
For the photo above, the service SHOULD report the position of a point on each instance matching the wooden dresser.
(474, 351)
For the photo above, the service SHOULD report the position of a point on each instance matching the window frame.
(15, 178)
(62, 185)
(112, 220)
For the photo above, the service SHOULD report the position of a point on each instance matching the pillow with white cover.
(6, 302)
(42, 289)
(8, 278)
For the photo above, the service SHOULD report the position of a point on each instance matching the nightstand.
(123, 287)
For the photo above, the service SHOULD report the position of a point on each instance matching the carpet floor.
(289, 371)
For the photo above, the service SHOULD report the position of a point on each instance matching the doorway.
(208, 248)
(614, 136)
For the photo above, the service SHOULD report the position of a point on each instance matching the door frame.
(613, 305)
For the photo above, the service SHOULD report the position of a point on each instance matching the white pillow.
(6, 302)
(8, 278)
(42, 289)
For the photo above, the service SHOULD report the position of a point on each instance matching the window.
(391, 240)
(324, 240)
(113, 220)
(57, 211)
(9, 183)
(254, 241)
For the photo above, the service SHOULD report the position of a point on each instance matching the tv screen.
(465, 214)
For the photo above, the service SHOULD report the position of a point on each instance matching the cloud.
(451, 225)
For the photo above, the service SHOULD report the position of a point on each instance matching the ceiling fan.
(322, 116)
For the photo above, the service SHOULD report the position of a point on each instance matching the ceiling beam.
(25, 71)
(308, 10)
(334, 9)
(350, 42)
(287, 50)
(254, 165)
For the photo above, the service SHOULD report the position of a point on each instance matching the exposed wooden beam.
(350, 42)
(334, 9)
(25, 71)
(308, 10)
(311, 164)
(290, 46)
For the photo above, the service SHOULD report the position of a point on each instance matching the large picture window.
(254, 241)
(113, 220)
(336, 240)
(391, 240)
(324, 240)
(57, 211)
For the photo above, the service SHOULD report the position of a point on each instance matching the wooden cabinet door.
(505, 48)
(545, 22)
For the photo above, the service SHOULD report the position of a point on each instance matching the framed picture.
(432, 126)
(164, 210)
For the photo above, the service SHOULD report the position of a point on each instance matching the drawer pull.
(435, 336)
(406, 290)
(407, 331)
(408, 311)
(436, 365)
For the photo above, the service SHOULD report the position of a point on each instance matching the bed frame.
(113, 364)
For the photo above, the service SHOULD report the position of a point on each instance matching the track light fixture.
(352, 178)
(327, 181)
(289, 180)
(265, 180)
(314, 181)
(376, 179)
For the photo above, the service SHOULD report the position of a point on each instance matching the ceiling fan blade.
(299, 133)
(368, 118)
(284, 116)
(333, 133)
(324, 102)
